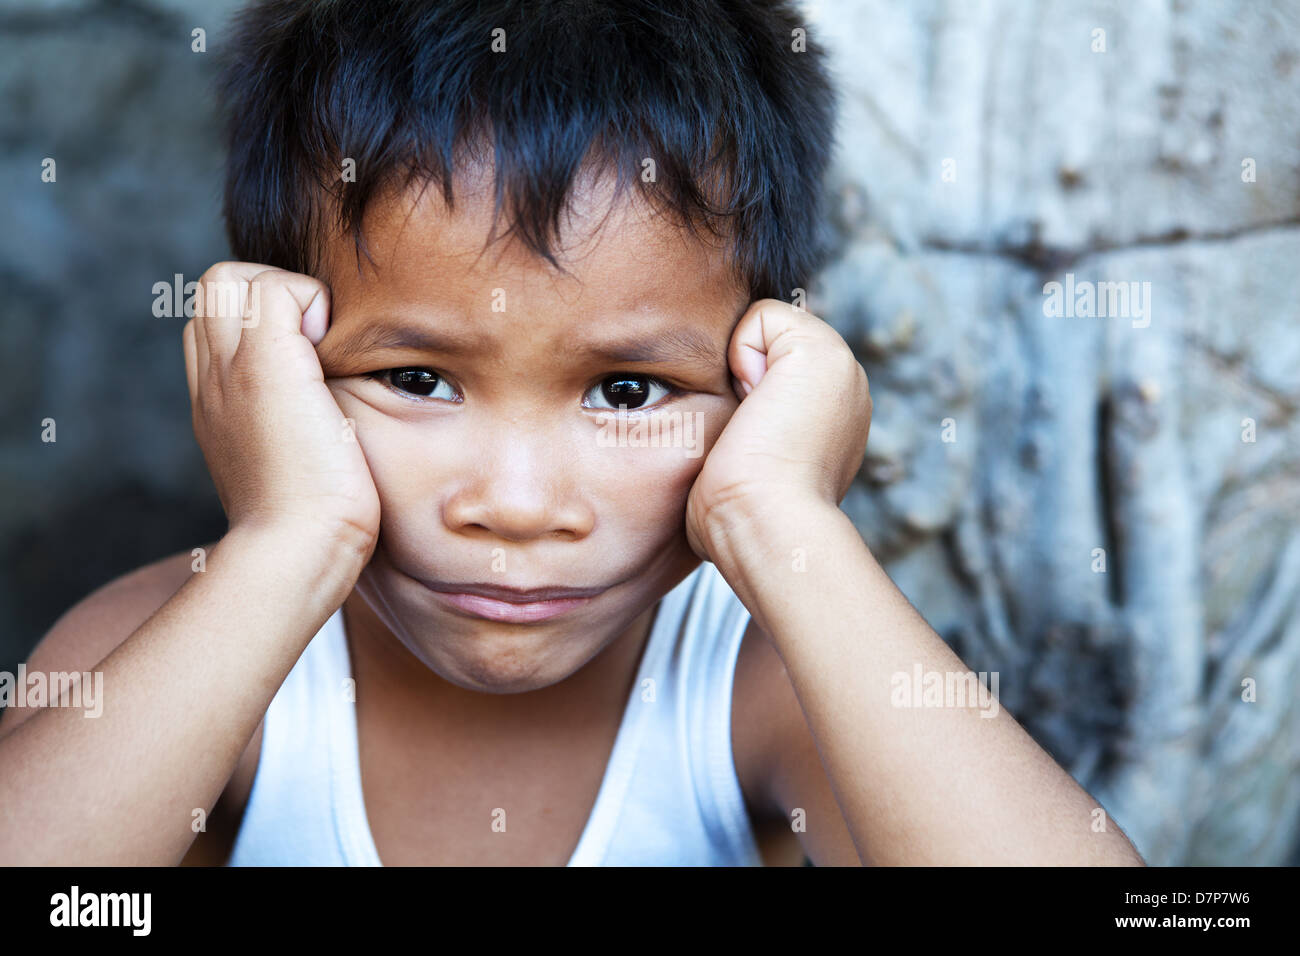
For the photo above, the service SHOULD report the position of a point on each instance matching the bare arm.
(182, 696)
(186, 690)
(917, 785)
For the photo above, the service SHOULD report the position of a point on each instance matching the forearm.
(182, 696)
(917, 784)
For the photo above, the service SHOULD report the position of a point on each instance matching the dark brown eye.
(625, 392)
(417, 381)
(421, 382)
(629, 392)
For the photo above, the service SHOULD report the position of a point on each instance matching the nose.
(522, 487)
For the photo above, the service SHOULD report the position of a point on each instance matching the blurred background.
(1093, 490)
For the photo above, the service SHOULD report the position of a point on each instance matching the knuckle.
(311, 287)
(266, 282)
(309, 281)
(218, 271)
(769, 306)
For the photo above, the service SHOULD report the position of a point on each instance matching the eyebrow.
(680, 345)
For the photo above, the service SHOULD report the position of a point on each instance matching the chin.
(485, 656)
(490, 680)
(497, 661)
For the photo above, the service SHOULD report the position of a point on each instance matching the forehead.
(623, 262)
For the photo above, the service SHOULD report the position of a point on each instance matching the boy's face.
(497, 458)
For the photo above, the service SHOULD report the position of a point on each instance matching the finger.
(760, 337)
(190, 349)
(201, 357)
(286, 306)
(283, 302)
(220, 308)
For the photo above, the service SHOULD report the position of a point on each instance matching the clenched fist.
(280, 452)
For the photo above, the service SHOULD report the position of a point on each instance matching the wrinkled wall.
(1101, 505)
(1102, 508)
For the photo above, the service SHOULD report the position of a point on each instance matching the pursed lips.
(511, 595)
(495, 602)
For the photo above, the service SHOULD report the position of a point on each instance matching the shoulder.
(93, 628)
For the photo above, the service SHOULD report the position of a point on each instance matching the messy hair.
(720, 111)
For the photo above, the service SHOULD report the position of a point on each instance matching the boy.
(460, 615)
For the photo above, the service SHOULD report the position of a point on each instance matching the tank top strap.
(710, 646)
(301, 770)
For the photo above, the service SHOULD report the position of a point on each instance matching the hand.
(277, 446)
(798, 436)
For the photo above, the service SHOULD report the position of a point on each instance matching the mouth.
(511, 605)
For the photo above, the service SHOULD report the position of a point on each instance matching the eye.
(630, 392)
(415, 382)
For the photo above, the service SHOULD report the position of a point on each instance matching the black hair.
(736, 117)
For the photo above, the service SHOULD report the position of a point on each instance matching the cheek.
(408, 466)
(405, 460)
(645, 485)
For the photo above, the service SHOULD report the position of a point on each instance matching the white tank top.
(669, 797)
